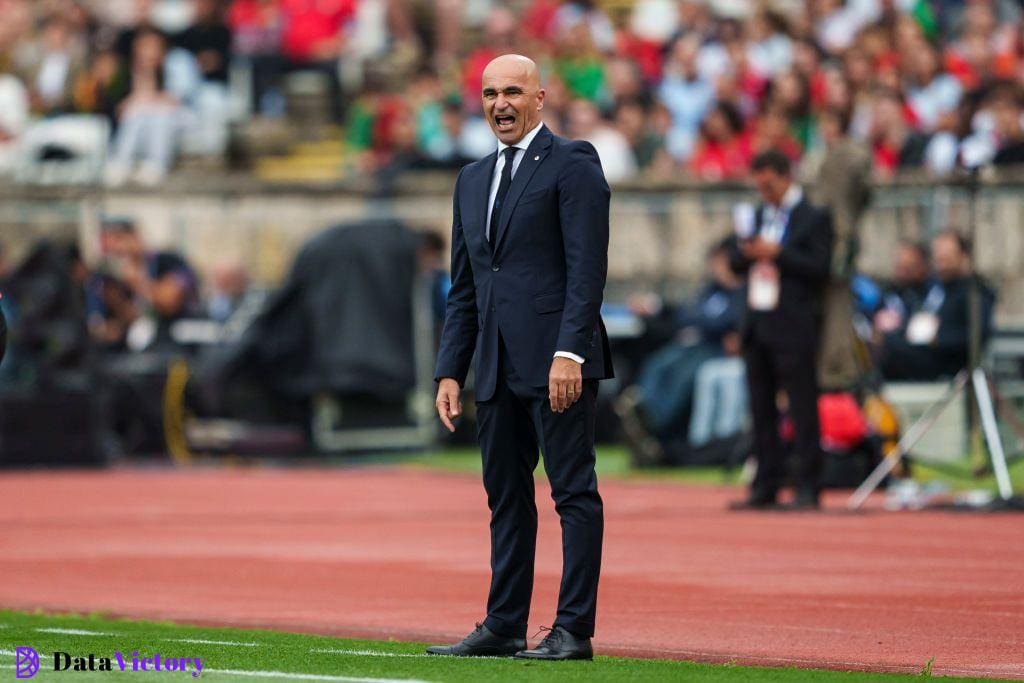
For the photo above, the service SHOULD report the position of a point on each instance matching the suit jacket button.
(495, 268)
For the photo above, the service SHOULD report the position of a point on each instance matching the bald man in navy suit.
(529, 262)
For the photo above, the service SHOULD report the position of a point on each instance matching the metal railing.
(659, 232)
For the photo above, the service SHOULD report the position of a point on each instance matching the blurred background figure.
(785, 255)
(840, 182)
(690, 391)
(229, 284)
(932, 338)
(137, 294)
(147, 119)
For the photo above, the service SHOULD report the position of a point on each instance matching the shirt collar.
(792, 197)
(525, 142)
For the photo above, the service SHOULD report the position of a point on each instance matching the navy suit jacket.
(541, 285)
(804, 263)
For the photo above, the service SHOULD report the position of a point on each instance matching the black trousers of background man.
(771, 367)
(511, 426)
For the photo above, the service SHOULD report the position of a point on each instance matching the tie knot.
(510, 154)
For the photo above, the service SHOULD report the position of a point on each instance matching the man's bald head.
(512, 96)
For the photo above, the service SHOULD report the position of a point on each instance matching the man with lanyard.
(906, 293)
(784, 248)
(935, 340)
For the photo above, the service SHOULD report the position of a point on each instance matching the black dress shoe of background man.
(560, 644)
(482, 642)
(756, 501)
(805, 500)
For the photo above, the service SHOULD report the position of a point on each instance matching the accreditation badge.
(763, 291)
(922, 328)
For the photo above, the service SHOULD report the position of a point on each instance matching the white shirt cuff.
(570, 356)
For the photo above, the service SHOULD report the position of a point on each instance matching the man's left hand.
(759, 249)
(565, 383)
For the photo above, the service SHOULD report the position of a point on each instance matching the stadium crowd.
(660, 87)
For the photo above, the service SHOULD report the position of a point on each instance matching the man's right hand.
(449, 406)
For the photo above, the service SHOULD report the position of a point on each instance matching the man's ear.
(540, 99)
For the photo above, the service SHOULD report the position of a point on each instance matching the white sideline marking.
(200, 641)
(309, 677)
(370, 653)
(203, 641)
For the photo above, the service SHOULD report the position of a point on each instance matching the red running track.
(403, 553)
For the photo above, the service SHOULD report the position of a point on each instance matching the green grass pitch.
(239, 655)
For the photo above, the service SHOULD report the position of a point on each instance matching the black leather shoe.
(559, 644)
(804, 501)
(755, 501)
(482, 642)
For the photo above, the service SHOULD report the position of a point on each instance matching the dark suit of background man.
(529, 260)
(790, 245)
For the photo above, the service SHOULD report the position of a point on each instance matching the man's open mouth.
(505, 121)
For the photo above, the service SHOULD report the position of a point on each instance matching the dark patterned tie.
(499, 199)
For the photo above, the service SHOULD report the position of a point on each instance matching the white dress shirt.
(775, 219)
(499, 166)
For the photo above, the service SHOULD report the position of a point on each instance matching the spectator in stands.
(790, 96)
(256, 27)
(147, 118)
(163, 286)
(140, 21)
(499, 37)
(722, 153)
(313, 40)
(1005, 105)
(906, 293)
(617, 160)
(197, 75)
(720, 401)
(229, 284)
(102, 86)
(686, 94)
(14, 118)
(930, 93)
(772, 131)
(111, 311)
(658, 412)
(208, 39)
(578, 63)
(935, 342)
(50, 65)
(641, 132)
(896, 145)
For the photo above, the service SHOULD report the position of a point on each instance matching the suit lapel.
(532, 159)
(793, 220)
(481, 190)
